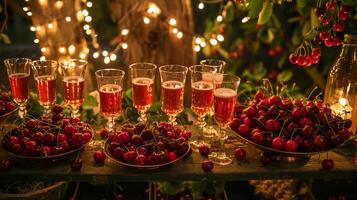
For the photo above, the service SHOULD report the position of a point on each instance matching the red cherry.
(321, 142)
(30, 146)
(243, 130)
(293, 58)
(103, 133)
(57, 109)
(338, 26)
(330, 5)
(249, 122)
(342, 16)
(99, 156)
(9, 107)
(5, 165)
(259, 95)
(251, 112)
(207, 165)
(69, 130)
(129, 156)
(346, 9)
(301, 60)
(240, 154)
(76, 165)
(77, 140)
(118, 152)
(30, 124)
(203, 149)
(140, 160)
(327, 164)
(307, 131)
(325, 20)
(272, 52)
(316, 52)
(291, 146)
(46, 150)
(275, 100)
(314, 60)
(308, 61)
(86, 137)
(124, 137)
(258, 137)
(278, 143)
(305, 121)
(272, 125)
(324, 35)
(171, 156)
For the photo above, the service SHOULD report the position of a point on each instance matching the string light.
(29, 14)
(71, 49)
(42, 58)
(197, 48)
(203, 44)
(220, 38)
(85, 12)
(89, 4)
(172, 22)
(175, 30)
(43, 49)
(213, 41)
(201, 6)
(88, 19)
(113, 57)
(43, 2)
(62, 50)
(179, 35)
(124, 45)
(36, 40)
(198, 40)
(106, 60)
(32, 28)
(59, 4)
(96, 55)
(146, 20)
(88, 32)
(153, 10)
(124, 32)
(50, 25)
(219, 18)
(68, 19)
(25, 9)
(105, 53)
(82, 55)
(86, 27)
(245, 19)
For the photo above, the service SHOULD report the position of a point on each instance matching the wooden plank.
(187, 169)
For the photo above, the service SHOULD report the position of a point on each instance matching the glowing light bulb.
(25, 9)
(36, 40)
(175, 30)
(42, 58)
(71, 49)
(68, 19)
(153, 10)
(203, 44)
(198, 40)
(106, 60)
(82, 55)
(29, 14)
(32, 28)
(172, 21)
(85, 12)
(96, 55)
(43, 49)
(50, 25)
(179, 35)
(146, 20)
(62, 50)
(220, 38)
(86, 27)
(219, 18)
(105, 53)
(201, 6)
(59, 4)
(124, 32)
(197, 48)
(213, 41)
(88, 32)
(245, 19)
(43, 2)
(124, 45)
(113, 57)
(88, 19)
(89, 4)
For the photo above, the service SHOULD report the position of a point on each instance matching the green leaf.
(5, 38)
(89, 102)
(265, 13)
(348, 148)
(229, 8)
(276, 21)
(266, 35)
(284, 76)
(255, 6)
(306, 28)
(314, 20)
(301, 3)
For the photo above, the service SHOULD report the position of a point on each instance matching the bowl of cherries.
(148, 146)
(289, 129)
(47, 137)
(7, 106)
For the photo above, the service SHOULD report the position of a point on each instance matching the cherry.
(186, 135)
(240, 154)
(99, 156)
(291, 127)
(345, 134)
(5, 165)
(249, 122)
(77, 140)
(272, 125)
(259, 95)
(325, 20)
(342, 16)
(62, 138)
(136, 140)
(250, 112)
(129, 156)
(9, 107)
(324, 35)
(243, 130)
(293, 58)
(258, 137)
(124, 137)
(291, 146)
(32, 123)
(140, 160)
(203, 149)
(338, 26)
(69, 130)
(307, 131)
(346, 9)
(327, 164)
(76, 165)
(287, 104)
(329, 42)
(103, 133)
(30, 146)
(305, 121)
(278, 143)
(87, 136)
(314, 60)
(321, 142)
(330, 5)
(118, 152)
(275, 100)
(46, 150)
(207, 165)
(301, 60)
(171, 156)
(57, 109)
(316, 52)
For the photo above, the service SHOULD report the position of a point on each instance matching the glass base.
(220, 158)
(195, 144)
(209, 132)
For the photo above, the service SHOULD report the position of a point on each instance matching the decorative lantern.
(341, 88)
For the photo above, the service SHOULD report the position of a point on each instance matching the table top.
(184, 170)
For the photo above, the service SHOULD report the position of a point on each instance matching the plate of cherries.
(7, 106)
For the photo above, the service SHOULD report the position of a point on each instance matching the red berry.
(30, 124)
(293, 58)
(329, 42)
(249, 122)
(129, 156)
(325, 20)
(259, 95)
(69, 130)
(275, 100)
(140, 160)
(240, 154)
(207, 165)
(57, 109)
(291, 146)
(171, 156)
(258, 137)
(5, 165)
(324, 35)
(124, 137)
(250, 112)
(99, 156)
(316, 52)
(9, 107)
(87, 136)
(301, 60)
(203, 149)
(278, 143)
(321, 142)
(243, 130)
(76, 165)
(272, 125)
(308, 61)
(338, 26)
(103, 133)
(342, 16)
(327, 164)
(330, 5)
(305, 121)
(118, 152)
(314, 60)
(307, 131)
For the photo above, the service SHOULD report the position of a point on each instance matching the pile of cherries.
(47, 136)
(291, 125)
(6, 104)
(144, 144)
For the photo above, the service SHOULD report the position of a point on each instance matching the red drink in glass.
(224, 103)
(19, 86)
(73, 90)
(172, 97)
(202, 97)
(46, 87)
(142, 92)
(110, 96)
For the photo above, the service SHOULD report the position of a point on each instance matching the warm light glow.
(106, 60)
(203, 44)
(59, 4)
(42, 58)
(88, 32)
(89, 4)
(25, 9)
(105, 53)
(43, 49)
(172, 22)
(197, 48)
(36, 40)
(179, 35)
(79, 16)
(43, 2)
(153, 10)
(71, 49)
(175, 30)
(146, 20)
(201, 6)
(32, 28)
(124, 32)
(38, 28)
(245, 19)
(88, 19)
(85, 12)
(219, 18)
(113, 57)
(62, 50)
(86, 27)
(95, 55)
(29, 13)
(124, 45)
(50, 25)
(220, 38)
(213, 41)
(68, 19)
(82, 55)
(343, 101)
(198, 40)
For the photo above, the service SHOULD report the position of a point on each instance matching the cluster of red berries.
(6, 104)
(143, 144)
(290, 125)
(312, 57)
(47, 137)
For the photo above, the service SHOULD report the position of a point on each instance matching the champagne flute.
(142, 78)
(45, 72)
(225, 98)
(201, 97)
(18, 70)
(219, 65)
(73, 71)
(110, 86)
(173, 79)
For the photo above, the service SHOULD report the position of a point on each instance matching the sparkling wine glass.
(73, 71)
(110, 84)
(225, 98)
(219, 65)
(201, 97)
(173, 79)
(45, 73)
(142, 78)
(18, 70)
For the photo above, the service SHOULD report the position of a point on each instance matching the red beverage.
(142, 93)
(73, 90)
(110, 96)
(202, 97)
(46, 88)
(172, 97)
(224, 103)
(19, 86)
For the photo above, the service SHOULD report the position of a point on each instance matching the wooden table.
(187, 169)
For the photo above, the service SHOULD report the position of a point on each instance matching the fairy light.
(153, 10)
(245, 19)
(198, 40)
(25, 9)
(32, 28)
(43, 2)
(88, 19)
(96, 55)
(106, 60)
(124, 45)
(220, 38)
(197, 48)
(219, 18)
(62, 50)
(71, 49)
(38, 28)
(172, 22)
(175, 30)
(146, 20)
(29, 14)
(43, 49)
(201, 6)
(36, 41)
(179, 35)
(124, 32)
(85, 12)
(213, 41)
(82, 55)
(88, 32)
(203, 44)
(105, 53)
(50, 25)
(59, 4)
(42, 58)
(89, 4)
(113, 57)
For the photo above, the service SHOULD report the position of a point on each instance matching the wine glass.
(18, 70)
(73, 71)
(201, 97)
(219, 65)
(110, 86)
(225, 98)
(45, 72)
(173, 79)
(142, 78)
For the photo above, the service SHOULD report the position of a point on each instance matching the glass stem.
(172, 119)
(46, 110)
(201, 124)
(222, 138)
(110, 124)
(75, 111)
(142, 116)
(22, 110)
